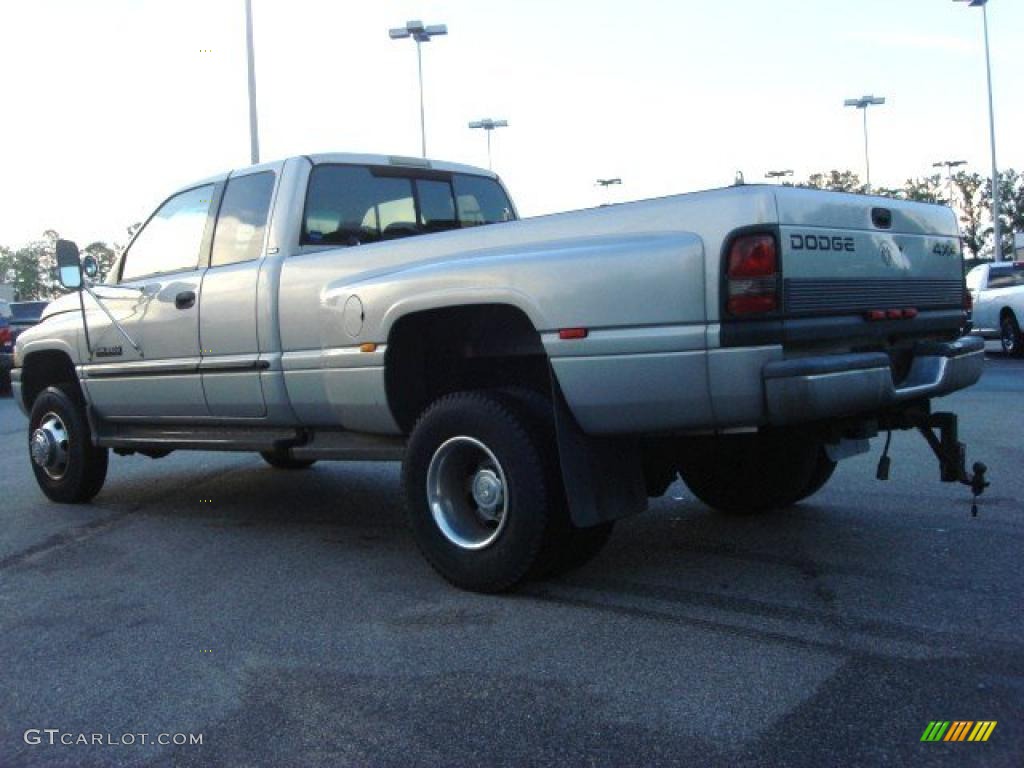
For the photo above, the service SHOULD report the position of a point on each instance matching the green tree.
(969, 201)
(895, 194)
(1011, 207)
(927, 189)
(838, 181)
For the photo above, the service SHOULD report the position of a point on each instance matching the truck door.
(230, 345)
(159, 309)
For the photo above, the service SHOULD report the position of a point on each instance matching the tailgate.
(845, 254)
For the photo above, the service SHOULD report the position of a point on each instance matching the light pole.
(254, 135)
(862, 104)
(780, 175)
(997, 229)
(607, 183)
(949, 165)
(420, 34)
(489, 125)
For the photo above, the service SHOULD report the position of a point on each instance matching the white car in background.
(998, 293)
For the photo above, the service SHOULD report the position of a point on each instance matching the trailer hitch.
(946, 445)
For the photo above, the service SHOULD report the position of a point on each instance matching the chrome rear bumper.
(809, 389)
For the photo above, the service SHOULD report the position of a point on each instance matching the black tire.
(747, 474)
(507, 549)
(1010, 336)
(80, 476)
(823, 472)
(281, 460)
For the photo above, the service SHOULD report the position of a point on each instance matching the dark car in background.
(15, 318)
(6, 347)
(25, 314)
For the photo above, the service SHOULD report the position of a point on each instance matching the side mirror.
(90, 267)
(69, 265)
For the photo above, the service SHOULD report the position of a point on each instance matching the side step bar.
(160, 439)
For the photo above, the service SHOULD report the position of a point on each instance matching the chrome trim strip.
(174, 367)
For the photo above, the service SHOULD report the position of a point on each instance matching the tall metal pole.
(867, 155)
(489, 166)
(997, 228)
(423, 119)
(420, 33)
(254, 136)
(863, 103)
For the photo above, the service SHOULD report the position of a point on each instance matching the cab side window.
(171, 239)
(242, 219)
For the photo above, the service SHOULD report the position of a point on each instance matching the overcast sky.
(111, 104)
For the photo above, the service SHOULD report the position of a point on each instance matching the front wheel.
(68, 467)
(744, 474)
(1010, 336)
(478, 493)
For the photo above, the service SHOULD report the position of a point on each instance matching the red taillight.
(753, 275)
(968, 301)
(5, 336)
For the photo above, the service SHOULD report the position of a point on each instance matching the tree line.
(31, 269)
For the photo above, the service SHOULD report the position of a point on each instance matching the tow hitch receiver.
(946, 445)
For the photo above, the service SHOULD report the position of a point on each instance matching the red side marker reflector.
(573, 333)
(910, 313)
(894, 314)
(875, 314)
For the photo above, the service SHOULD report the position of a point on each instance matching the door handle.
(185, 299)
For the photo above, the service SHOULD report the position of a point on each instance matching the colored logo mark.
(958, 730)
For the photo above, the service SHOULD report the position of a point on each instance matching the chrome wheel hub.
(1009, 337)
(466, 493)
(48, 446)
(488, 493)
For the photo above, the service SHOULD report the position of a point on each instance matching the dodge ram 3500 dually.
(538, 378)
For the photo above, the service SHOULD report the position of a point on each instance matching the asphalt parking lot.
(288, 619)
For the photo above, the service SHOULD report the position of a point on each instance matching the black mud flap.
(604, 478)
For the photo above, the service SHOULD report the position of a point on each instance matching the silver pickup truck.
(538, 378)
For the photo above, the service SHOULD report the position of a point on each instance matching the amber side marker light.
(573, 333)
(368, 347)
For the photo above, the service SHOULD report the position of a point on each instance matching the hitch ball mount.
(946, 445)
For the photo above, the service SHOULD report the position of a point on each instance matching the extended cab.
(539, 378)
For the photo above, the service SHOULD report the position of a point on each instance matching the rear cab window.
(354, 205)
(1005, 277)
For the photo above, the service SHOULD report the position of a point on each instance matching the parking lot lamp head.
(488, 125)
